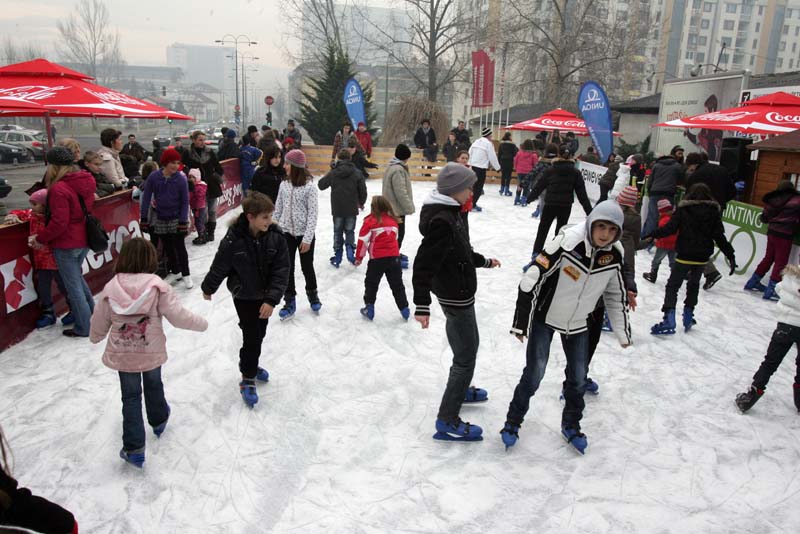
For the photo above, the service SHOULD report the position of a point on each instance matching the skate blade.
(663, 332)
(444, 436)
(287, 318)
(475, 401)
(582, 452)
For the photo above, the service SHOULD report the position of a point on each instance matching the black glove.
(732, 262)
(183, 228)
(144, 226)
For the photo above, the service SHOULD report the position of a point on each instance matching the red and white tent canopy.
(16, 105)
(557, 119)
(775, 113)
(68, 93)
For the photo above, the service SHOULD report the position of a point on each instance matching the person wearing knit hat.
(664, 205)
(402, 152)
(397, 190)
(365, 138)
(59, 155)
(231, 134)
(425, 140)
(296, 158)
(445, 265)
(628, 197)
(482, 155)
(168, 156)
(631, 234)
(665, 246)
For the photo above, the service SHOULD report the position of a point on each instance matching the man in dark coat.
(425, 139)
(667, 174)
(200, 156)
(134, 149)
(228, 148)
(462, 135)
(294, 134)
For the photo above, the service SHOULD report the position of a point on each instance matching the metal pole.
(386, 94)
(244, 97)
(236, 75)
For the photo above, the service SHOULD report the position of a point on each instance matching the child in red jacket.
(378, 235)
(665, 246)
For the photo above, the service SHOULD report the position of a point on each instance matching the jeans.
(538, 352)
(676, 277)
(211, 206)
(200, 219)
(477, 189)
(154, 402)
(659, 256)
(343, 226)
(44, 286)
(81, 302)
(651, 223)
(777, 256)
(306, 264)
(394, 275)
(253, 332)
(462, 335)
(549, 214)
(784, 336)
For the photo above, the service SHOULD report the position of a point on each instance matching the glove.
(732, 262)
(144, 226)
(183, 228)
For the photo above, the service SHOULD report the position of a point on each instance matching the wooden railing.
(319, 162)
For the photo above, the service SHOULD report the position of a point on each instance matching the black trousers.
(306, 264)
(506, 169)
(549, 214)
(676, 277)
(394, 275)
(604, 189)
(253, 332)
(784, 336)
(401, 231)
(175, 249)
(477, 189)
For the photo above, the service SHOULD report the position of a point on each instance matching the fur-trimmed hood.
(709, 203)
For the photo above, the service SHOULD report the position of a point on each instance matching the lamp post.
(650, 76)
(235, 40)
(245, 106)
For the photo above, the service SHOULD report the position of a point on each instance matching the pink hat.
(196, 173)
(631, 160)
(664, 205)
(39, 197)
(296, 158)
(628, 196)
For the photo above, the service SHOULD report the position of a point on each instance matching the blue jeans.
(576, 348)
(154, 401)
(462, 335)
(81, 302)
(651, 223)
(44, 286)
(346, 226)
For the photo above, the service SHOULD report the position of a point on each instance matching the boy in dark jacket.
(445, 265)
(573, 271)
(253, 256)
(698, 222)
(348, 195)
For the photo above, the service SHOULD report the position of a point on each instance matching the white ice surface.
(341, 438)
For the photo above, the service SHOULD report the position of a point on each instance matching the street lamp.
(235, 41)
(245, 107)
(697, 69)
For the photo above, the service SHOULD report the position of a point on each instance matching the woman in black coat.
(269, 175)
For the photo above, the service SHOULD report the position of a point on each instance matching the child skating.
(378, 236)
(445, 265)
(579, 266)
(129, 312)
(254, 258)
(348, 196)
(665, 246)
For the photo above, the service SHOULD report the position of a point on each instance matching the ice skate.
(262, 375)
(247, 387)
(457, 431)
(510, 434)
(769, 292)
(746, 400)
(159, 429)
(665, 327)
(368, 311)
(754, 284)
(575, 437)
(336, 259)
(287, 312)
(474, 394)
(688, 319)
(650, 277)
(136, 459)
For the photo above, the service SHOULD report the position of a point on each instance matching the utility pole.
(235, 40)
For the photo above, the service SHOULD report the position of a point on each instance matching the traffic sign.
(269, 100)
(236, 107)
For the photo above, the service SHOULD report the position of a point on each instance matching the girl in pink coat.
(129, 312)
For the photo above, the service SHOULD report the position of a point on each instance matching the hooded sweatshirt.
(570, 275)
(129, 312)
(789, 291)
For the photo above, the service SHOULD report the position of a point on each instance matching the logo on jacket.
(605, 259)
(542, 260)
(572, 272)
(18, 286)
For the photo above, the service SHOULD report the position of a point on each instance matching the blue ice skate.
(48, 318)
(474, 394)
(136, 459)
(406, 313)
(688, 319)
(287, 312)
(313, 299)
(336, 259)
(403, 261)
(535, 214)
(606, 323)
(160, 428)
(591, 386)
(368, 311)
(754, 284)
(457, 431)
(262, 375)
(510, 434)
(530, 263)
(508, 193)
(476, 209)
(68, 319)
(351, 253)
(769, 292)
(667, 326)
(576, 438)
(247, 387)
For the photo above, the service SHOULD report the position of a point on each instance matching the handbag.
(96, 236)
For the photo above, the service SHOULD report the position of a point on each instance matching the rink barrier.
(119, 213)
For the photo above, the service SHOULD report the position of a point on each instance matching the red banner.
(19, 307)
(482, 79)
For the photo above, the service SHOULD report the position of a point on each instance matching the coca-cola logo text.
(32, 92)
(113, 97)
(563, 124)
(777, 118)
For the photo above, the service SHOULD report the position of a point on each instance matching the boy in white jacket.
(786, 334)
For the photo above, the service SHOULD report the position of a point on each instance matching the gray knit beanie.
(454, 178)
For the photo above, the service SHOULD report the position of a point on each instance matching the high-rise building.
(212, 65)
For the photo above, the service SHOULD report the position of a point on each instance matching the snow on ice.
(341, 438)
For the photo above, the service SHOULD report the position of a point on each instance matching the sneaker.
(247, 388)
(711, 280)
(575, 437)
(262, 375)
(68, 319)
(406, 313)
(510, 434)
(47, 319)
(368, 311)
(474, 394)
(457, 431)
(746, 400)
(159, 429)
(187, 282)
(136, 459)
(650, 277)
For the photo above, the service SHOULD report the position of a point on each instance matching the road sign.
(236, 107)
(269, 100)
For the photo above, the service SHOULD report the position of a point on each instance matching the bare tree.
(319, 24)
(14, 52)
(88, 40)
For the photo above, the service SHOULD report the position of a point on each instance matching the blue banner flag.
(354, 102)
(596, 113)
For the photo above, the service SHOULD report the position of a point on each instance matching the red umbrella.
(69, 93)
(557, 119)
(13, 106)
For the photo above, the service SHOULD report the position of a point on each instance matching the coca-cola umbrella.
(557, 119)
(774, 113)
(68, 93)
(13, 106)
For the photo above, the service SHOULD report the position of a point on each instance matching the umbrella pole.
(48, 129)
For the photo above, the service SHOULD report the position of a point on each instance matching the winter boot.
(406, 313)
(474, 394)
(769, 292)
(368, 311)
(667, 326)
(403, 261)
(313, 299)
(688, 318)
(746, 400)
(210, 227)
(159, 429)
(136, 459)
(510, 434)
(287, 312)
(754, 284)
(200, 240)
(247, 387)
(262, 375)
(606, 324)
(336, 259)
(796, 388)
(650, 277)
(351, 253)
(457, 431)
(48, 318)
(575, 437)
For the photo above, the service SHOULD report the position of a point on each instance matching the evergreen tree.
(322, 109)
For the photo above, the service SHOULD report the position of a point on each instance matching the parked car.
(163, 137)
(11, 127)
(10, 153)
(33, 141)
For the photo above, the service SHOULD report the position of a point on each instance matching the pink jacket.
(525, 161)
(197, 198)
(131, 307)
